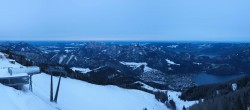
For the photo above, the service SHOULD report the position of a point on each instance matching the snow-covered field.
(73, 95)
(171, 62)
(82, 70)
(135, 65)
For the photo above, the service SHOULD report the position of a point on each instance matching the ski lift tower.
(56, 71)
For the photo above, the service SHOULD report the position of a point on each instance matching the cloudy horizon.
(162, 20)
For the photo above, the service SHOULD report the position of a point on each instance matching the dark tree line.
(233, 101)
(220, 96)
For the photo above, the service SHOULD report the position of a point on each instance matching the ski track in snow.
(70, 59)
(62, 58)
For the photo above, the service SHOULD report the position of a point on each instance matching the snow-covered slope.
(172, 95)
(82, 70)
(74, 95)
(79, 95)
(171, 62)
(12, 99)
(135, 65)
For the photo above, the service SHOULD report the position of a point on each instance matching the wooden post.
(57, 90)
(51, 88)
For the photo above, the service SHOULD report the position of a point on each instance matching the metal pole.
(58, 86)
(30, 87)
(51, 88)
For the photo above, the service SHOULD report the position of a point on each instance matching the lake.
(205, 78)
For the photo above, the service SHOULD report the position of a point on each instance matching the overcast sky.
(178, 20)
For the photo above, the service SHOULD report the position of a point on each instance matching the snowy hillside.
(12, 99)
(82, 70)
(74, 95)
(135, 65)
(78, 95)
(172, 95)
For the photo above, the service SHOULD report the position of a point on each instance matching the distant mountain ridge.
(162, 58)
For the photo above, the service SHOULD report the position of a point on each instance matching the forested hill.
(232, 95)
